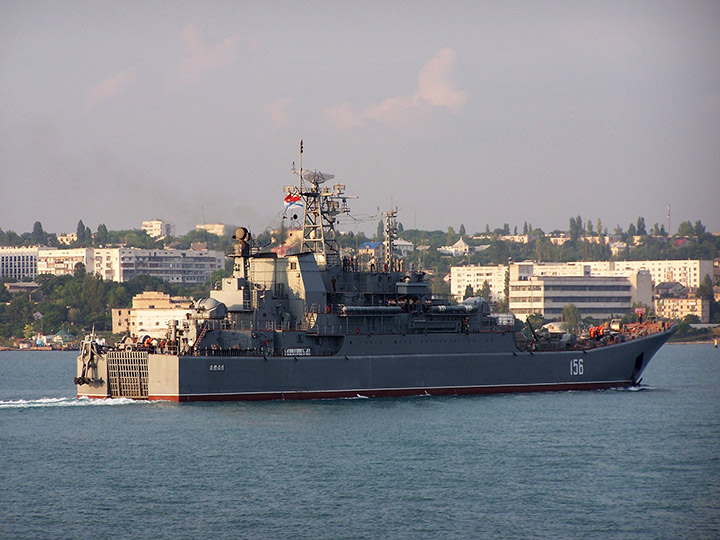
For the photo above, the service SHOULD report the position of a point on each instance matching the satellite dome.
(212, 308)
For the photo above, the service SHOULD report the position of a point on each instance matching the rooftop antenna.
(204, 225)
(668, 221)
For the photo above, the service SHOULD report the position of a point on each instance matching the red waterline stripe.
(394, 392)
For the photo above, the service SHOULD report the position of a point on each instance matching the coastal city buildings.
(475, 276)
(547, 288)
(681, 306)
(157, 228)
(59, 262)
(599, 289)
(688, 272)
(67, 239)
(182, 266)
(150, 314)
(459, 248)
(218, 229)
(18, 262)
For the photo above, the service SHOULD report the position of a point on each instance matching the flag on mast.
(292, 200)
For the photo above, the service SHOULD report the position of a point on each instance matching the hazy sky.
(478, 112)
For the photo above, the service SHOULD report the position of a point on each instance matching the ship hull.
(497, 369)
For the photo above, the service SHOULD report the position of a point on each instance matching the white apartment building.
(60, 262)
(150, 314)
(403, 247)
(18, 262)
(157, 228)
(547, 291)
(218, 229)
(688, 272)
(678, 308)
(182, 266)
(475, 276)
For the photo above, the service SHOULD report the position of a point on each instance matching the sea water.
(625, 464)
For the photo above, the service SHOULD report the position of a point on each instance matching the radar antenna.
(322, 205)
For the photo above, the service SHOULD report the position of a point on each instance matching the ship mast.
(321, 204)
(390, 236)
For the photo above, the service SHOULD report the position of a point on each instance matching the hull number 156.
(576, 366)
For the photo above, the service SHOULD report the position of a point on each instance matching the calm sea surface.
(603, 464)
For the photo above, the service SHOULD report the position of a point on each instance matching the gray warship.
(309, 323)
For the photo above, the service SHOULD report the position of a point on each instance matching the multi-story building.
(218, 229)
(475, 276)
(183, 266)
(680, 307)
(403, 247)
(157, 228)
(67, 239)
(18, 262)
(688, 272)
(150, 314)
(60, 262)
(547, 288)
(460, 248)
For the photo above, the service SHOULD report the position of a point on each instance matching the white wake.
(64, 402)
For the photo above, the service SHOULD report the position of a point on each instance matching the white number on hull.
(217, 367)
(576, 366)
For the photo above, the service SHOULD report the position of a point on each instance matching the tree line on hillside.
(77, 303)
(105, 238)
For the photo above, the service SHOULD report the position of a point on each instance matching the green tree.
(576, 229)
(686, 229)
(37, 236)
(485, 291)
(461, 232)
(380, 232)
(536, 320)
(468, 292)
(28, 331)
(451, 238)
(80, 232)
(102, 237)
(79, 270)
(705, 290)
(641, 226)
(571, 318)
(440, 287)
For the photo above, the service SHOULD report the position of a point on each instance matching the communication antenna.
(204, 225)
(668, 221)
(321, 204)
